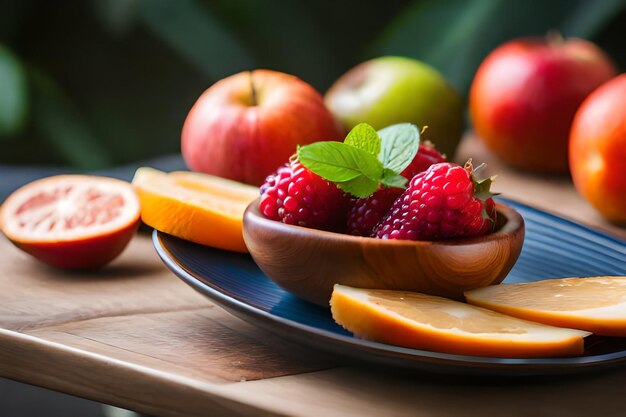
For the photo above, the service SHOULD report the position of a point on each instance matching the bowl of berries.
(380, 211)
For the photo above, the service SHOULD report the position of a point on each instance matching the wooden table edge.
(81, 373)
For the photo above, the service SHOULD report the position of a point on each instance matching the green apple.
(388, 90)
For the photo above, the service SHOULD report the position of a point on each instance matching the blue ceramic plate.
(554, 247)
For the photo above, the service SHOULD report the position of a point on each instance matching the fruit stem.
(253, 90)
(555, 38)
(479, 167)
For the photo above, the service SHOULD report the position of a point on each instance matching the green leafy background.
(92, 84)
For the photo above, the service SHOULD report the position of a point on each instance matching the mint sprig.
(399, 145)
(364, 136)
(364, 160)
(354, 170)
(391, 179)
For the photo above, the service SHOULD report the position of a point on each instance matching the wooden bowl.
(308, 262)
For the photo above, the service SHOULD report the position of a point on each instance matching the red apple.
(245, 126)
(525, 94)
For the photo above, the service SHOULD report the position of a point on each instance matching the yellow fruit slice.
(438, 324)
(596, 304)
(193, 206)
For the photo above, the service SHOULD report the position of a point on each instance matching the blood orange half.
(72, 221)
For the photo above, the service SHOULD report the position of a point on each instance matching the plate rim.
(416, 357)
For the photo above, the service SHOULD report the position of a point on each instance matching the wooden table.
(135, 336)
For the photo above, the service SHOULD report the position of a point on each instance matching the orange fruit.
(597, 149)
(433, 323)
(596, 304)
(196, 207)
(72, 221)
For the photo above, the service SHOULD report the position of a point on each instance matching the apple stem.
(555, 38)
(254, 97)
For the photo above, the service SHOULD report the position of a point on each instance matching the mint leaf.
(366, 159)
(359, 187)
(399, 145)
(364, 136)
(352, 169)
(391, 179)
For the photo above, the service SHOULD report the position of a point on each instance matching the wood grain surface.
(134, 336)
(309, 262)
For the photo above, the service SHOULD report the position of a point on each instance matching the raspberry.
(425, 157)
(367, 212)
(440, 203)
(295, 195)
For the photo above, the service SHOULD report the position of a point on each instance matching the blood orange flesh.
(72, 221)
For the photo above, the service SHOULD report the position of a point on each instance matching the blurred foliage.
(455, 35)
(96, 83)
(12, 94)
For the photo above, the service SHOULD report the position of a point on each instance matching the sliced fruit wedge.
(72, 221)
(438, 324)
(596, 304)
(197, 207)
